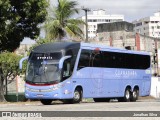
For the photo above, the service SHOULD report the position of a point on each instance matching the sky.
(131, 9)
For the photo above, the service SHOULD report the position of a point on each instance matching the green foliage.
(10, 65)
(9, 69)
(19, 19)
(60, 24)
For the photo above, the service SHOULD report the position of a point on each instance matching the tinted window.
(125, 60)
(90, 58)
(96, 59)
(84, 60)
(113, 60)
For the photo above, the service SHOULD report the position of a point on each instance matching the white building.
(99, 16)
(148, 26)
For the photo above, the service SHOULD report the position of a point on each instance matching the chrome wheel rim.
(76, 95)
(127, 94)
(134, 94)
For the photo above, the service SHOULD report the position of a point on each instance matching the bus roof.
(58, 46)
(109, 48)
(55, 46)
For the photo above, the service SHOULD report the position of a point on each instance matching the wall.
(155, 87)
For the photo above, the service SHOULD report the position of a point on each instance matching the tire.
(101, 99)
(46, 101)
(127, 96)
(77, 98)
(135, 95)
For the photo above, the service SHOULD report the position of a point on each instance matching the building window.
(138, 24)
(90, 20)
(106, 20)
(94, 32)
(94, 20)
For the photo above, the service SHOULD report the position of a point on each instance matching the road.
(141, 108)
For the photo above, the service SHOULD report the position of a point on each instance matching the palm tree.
(61, 24)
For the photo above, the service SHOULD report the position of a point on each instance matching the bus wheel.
(77, 98)
(127, 95)
(135, 95)
(101, 99)
(46, 101)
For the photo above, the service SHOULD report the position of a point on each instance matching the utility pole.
(86, 21)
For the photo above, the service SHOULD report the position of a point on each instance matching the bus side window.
(72, 59)
(66, 69)
(84, 59)
(96, 59)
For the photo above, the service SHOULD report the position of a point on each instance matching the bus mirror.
(62, 61)
(21, 62)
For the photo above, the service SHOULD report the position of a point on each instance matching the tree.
(60, 24)
(9, 66)
(19, 19)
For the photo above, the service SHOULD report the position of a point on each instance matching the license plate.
(40, 95)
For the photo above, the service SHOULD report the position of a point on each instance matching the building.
(25, 46)
(148, 26)
(116, 34)
(99, 16)
(122, 35)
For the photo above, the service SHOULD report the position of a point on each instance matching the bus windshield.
(43, 72)
(43, 69)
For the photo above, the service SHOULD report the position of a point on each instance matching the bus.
(70, 71)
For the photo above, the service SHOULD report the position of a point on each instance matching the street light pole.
(156, 62)
(86, 21)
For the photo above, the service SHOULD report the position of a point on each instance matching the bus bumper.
(47, 95)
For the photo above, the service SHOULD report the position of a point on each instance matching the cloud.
(131, 9)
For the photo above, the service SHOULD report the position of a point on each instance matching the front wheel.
(77, 98)
(46, 101)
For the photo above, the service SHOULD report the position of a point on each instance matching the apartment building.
(148, 26)
(97, 17)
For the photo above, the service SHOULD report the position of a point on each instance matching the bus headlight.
(55, 87)
(27, 88)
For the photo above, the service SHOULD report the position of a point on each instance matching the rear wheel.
(127, 96)
(46, 101)
(135, 95)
